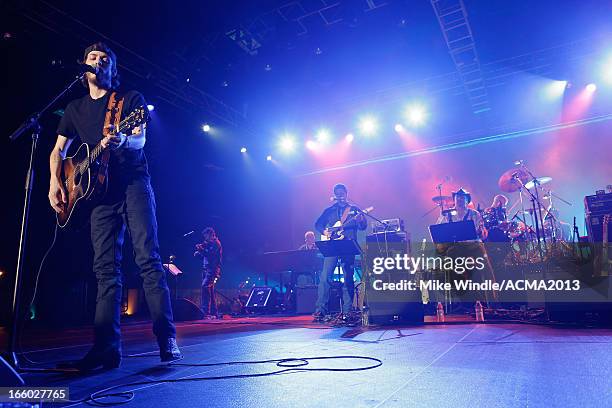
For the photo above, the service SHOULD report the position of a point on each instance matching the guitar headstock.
(136, 118)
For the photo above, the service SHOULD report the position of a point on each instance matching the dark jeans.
(348, 288)
(209, 300)
(129, 204)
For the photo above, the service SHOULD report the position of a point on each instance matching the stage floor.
(452, 365)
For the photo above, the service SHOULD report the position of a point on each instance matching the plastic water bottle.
(479, 311)
(440, 313)
(365, 316)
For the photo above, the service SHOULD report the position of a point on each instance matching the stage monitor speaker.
(8, 376)
(594, 223)
(185, 309)
(261, 299)
(395, 307)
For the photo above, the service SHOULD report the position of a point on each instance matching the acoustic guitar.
(84, 175)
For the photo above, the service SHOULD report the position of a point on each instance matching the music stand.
(453, 232)
(448, 233)
(339, 249)
(174, 271)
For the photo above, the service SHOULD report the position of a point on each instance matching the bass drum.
(514, 229)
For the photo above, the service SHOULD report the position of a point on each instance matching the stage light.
(243, 150)
(323, 136)
(368, 125)
(349, 137)
(416, 115)
(151, 108)
(206, 127)
(591, 87)
(607, 71)
(556, 89)
(269, 158)
(311, 145)
(398, 127)
(287, 143)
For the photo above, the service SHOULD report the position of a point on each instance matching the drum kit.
(533, 229)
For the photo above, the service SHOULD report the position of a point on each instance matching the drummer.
(499, 201)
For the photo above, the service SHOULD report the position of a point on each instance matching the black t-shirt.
(84, 117)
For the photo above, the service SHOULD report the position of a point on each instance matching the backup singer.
(211, 252)
(352, 221)
(129, 202)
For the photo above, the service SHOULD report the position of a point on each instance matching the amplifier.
(393, 224)
(378, 242)
(305, 299)
(598, 204)
(594, 223)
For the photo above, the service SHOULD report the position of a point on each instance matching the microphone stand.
(30, 124)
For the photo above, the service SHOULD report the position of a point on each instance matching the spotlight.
(287, 144)
(556, 89)
(607, 71)
(398, 127)
(322, 136)
(349, 137)
(591, 87)
(206, 127)
(269, 158)
(416, 115)
(368, 125)
(243, 150)
(311, 145)
(151, 108)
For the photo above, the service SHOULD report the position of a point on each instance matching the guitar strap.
(345, 214)
(113, 117)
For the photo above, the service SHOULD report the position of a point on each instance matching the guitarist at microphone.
(128, 203)
(351, 220)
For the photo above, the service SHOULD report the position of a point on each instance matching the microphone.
(189, 233)
(518, 162)
(84, 68)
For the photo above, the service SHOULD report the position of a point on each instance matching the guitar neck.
(95, 152)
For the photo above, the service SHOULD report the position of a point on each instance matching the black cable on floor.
(287, 364)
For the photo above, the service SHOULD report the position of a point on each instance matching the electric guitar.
(336, 231)
(84, 175)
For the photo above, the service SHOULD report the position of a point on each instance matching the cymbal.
(439, 199)
(539, 181)
(509, 181)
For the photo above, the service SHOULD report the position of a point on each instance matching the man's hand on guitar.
(327, 232)
(113, 141)
(57, 197)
